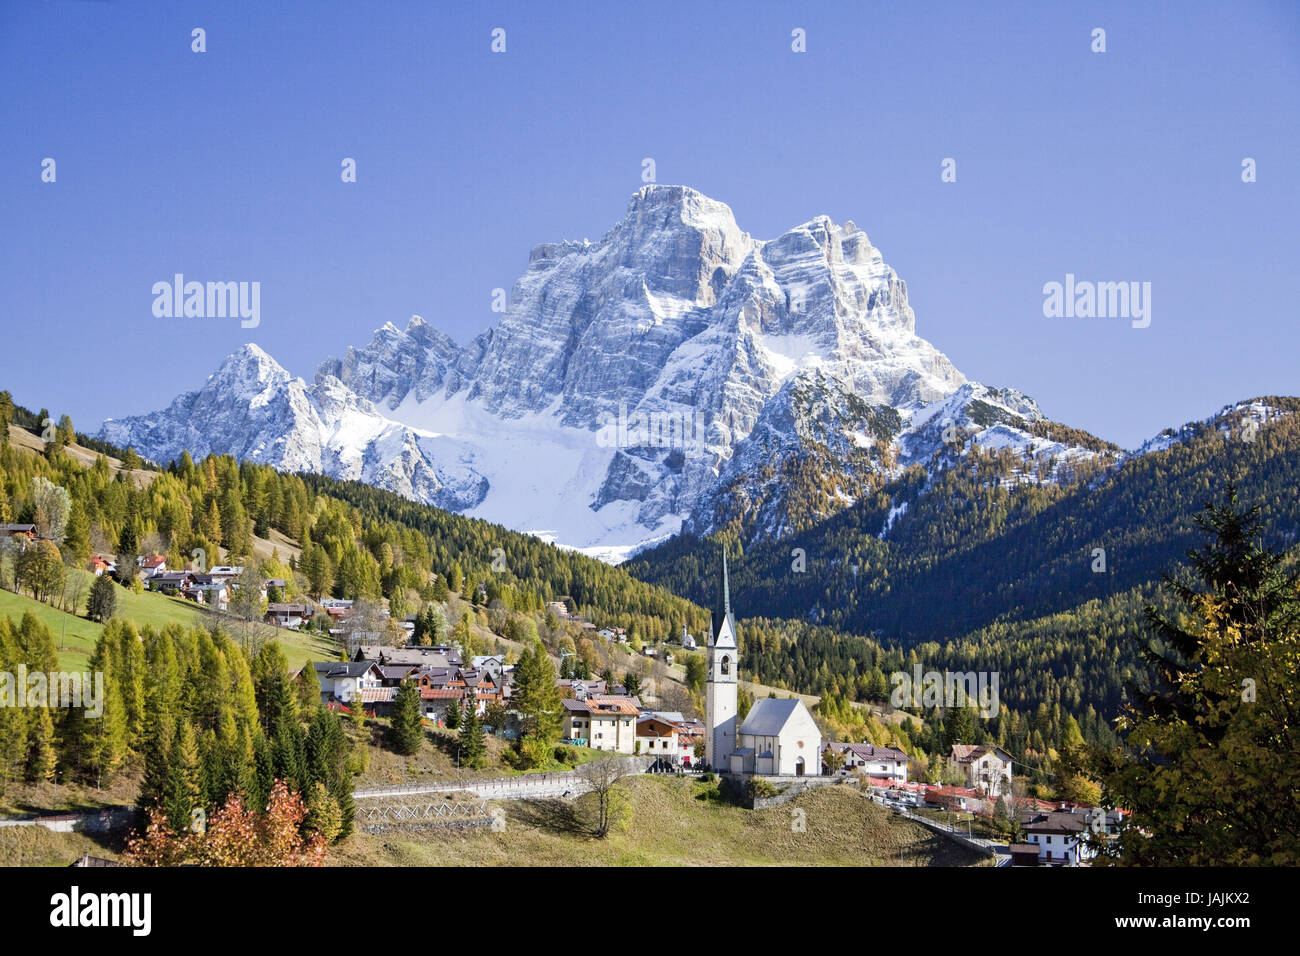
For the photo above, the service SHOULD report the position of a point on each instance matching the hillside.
(673, 823)
(973, 545)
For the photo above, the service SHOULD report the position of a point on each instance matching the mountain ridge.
(794, 354)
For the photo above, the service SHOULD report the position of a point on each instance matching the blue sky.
(1118, 166)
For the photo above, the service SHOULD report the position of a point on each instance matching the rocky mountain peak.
(633, 383)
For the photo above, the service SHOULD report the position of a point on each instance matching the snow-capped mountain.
(676, 372)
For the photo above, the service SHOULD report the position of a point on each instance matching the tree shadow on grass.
(556, 816)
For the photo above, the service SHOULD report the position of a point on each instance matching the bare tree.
(73, 593)
(675, 697)
(246, 607)
(369, 623)
(601, 778)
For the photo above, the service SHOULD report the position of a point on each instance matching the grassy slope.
(75, 636)
(671, 825)
(37, 846)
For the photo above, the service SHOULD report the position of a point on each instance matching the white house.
(602, 722)
(1057, 834)
(494, 664)
(887, 762)
(658, 736)
(342, 680)
(986, 768)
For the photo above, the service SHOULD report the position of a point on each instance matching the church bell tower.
(720, 691)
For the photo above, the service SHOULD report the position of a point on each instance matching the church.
(777, 736)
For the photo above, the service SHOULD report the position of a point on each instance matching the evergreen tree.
(182, 792)
(308, 690)
(43, 758)
(408, 727)
(76, 540)
(537, 696)
(105, 737)
(103, 599)
(473, 739)
(1217, 714)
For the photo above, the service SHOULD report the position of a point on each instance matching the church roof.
(768, 717)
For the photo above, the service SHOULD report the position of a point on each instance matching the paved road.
(1000, 852)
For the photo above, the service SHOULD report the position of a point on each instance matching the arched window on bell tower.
(726, 664)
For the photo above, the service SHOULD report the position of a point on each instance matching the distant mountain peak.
(632, 384)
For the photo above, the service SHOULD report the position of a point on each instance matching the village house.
(477, 686)
(343, 680)
(378, 701)
(207, 589)
(392, 675)
(658, 735)
(171, 582)
(422, 655)
(436, 701)
(886, 763)
(19, 534)
(987, 768)
(494, 664)
(286, 615)
(444, 687)
(1057, 835)
(336, 609)
(602, 723)
(152, 564)
(582, 689)
(100, 566)
(690, 734)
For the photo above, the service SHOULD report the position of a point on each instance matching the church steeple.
(720, 690)
(722, 623)
(726, 588)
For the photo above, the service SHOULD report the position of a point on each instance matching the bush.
(707, 777)
(532, 753)
(759, 789)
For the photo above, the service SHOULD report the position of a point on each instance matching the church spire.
(726, 588)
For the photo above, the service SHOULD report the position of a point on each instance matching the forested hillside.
(978, 546)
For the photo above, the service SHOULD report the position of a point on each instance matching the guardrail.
(504, 788)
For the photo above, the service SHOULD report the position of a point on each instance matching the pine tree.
(408, 727)
(537, 696)
(308, 690)
(182, 792)
(1217, 714)
(43, 758)
(106, 736)
(156, 756)
(76, 538)
(473, 738)
(103, 599)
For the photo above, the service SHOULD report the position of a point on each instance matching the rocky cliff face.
(671, 373)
